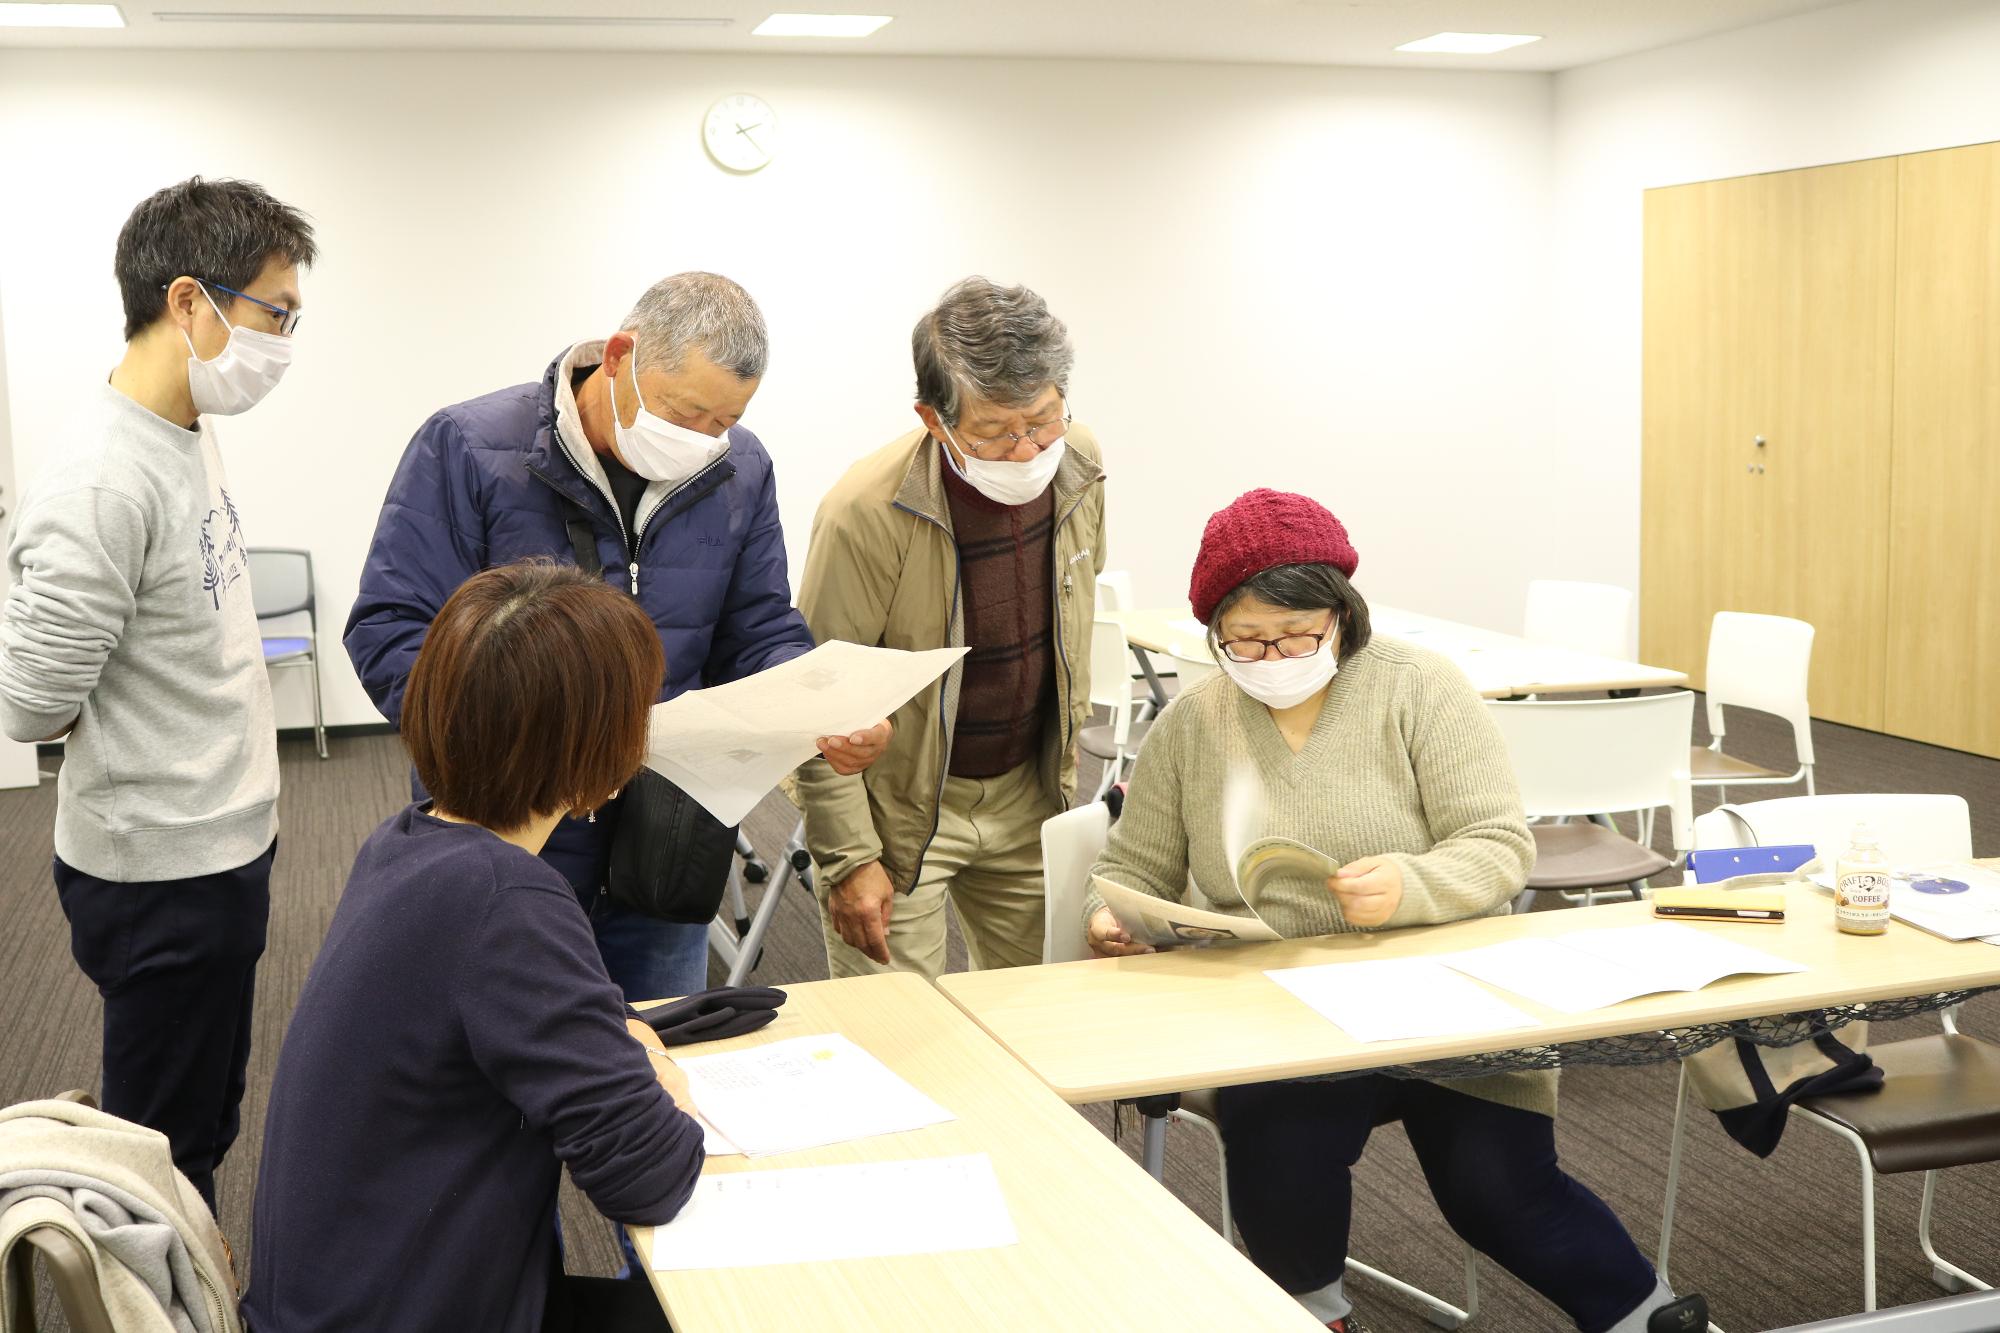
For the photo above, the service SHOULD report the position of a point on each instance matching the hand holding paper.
(1369, 890)
(1108, 937)
(851, 754)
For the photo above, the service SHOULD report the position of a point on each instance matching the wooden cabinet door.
(1944, 529)
(1823, 255)
(1769, 313)
(1693, 513)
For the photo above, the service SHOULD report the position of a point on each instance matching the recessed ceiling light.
(1468, 43)
(820, 25)
(359, 18)
(60, 16)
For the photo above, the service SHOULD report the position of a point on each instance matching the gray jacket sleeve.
(76, 558)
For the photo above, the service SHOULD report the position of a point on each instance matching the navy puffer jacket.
(484, 482)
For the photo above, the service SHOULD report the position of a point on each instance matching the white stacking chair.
(1118, 740)
(281, 586)
(1594, 618)
(1949, 1081)
(1191, 670)
(1911, 829)
(1071, 843)
(1761, 663)
(1114, 594)
(1114, 590)
(1586, 759)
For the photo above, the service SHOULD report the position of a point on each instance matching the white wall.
(17, 761)
(1858, 81)
(1328, 280)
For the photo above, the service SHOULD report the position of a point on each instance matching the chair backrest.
(281, 583)
(1913, 830)
(1188, 670)
(1593, 618)
(1114, 590)
(1601, 756)
(1071, 842)
(1111, 675)
(1761, 662)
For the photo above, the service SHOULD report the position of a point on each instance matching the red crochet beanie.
(1261, 530)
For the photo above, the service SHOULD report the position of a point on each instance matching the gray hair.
(703, 311)
(999, 344)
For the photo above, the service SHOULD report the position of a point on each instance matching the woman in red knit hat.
(1381, 755)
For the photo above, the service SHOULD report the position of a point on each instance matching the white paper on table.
(1393, 999)
(746, 1219)
(803, 1093)
(1958, 914)
(729, 745)
(1189, 625)
(1589, 969)
(1160, 923)
(713, 1142)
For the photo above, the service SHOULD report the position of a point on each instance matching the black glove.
(711, 1015)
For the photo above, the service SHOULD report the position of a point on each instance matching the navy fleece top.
(456, 1044)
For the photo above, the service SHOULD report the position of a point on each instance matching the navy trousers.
(1491, 1168)
(176, 963)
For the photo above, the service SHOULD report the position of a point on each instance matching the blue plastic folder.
(1720, 863)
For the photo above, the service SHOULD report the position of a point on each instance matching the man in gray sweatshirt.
(129, 630)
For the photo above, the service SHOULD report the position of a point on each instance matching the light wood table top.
(1108, 1028)
(1103, 1246)
(1499, 665)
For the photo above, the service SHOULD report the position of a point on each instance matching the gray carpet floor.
(1771, 1242)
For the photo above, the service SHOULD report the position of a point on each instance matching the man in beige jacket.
(982, 529)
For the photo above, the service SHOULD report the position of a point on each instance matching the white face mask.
(1287, 681)
(655, 447)
(249, 366)
(1009, 483)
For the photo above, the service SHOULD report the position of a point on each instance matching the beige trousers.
(987, 858)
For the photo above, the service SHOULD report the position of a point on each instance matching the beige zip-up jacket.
(882, 571)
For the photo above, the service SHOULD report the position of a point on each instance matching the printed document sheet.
(729, 745)
(803, 1093)
(1394, 999)
(1589, 969)
(746, 1219)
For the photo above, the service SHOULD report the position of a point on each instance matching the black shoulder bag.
(670, 858)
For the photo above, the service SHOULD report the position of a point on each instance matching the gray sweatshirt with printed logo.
(129, 620)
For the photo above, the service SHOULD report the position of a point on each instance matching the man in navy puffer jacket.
(635, 439)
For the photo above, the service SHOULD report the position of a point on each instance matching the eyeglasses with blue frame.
(288, 320)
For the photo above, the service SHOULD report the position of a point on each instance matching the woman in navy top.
(457, 1041)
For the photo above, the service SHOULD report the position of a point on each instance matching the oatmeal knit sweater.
(1403, 762)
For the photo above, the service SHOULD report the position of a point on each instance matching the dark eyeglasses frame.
(1319, 641)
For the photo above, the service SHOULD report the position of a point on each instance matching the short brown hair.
(531, 693)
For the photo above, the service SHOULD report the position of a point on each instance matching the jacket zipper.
(218, 1311)
(944, 720)
(1062, 655)
(630, 541)
(624, 538)
(722, 469)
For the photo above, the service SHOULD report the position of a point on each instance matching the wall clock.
(741, 133)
